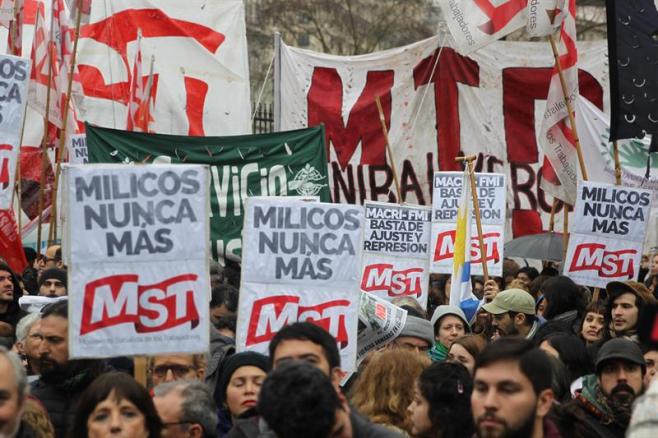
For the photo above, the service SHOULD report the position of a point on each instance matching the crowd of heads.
(543, 356)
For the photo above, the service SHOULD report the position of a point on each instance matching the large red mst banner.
(437, 104)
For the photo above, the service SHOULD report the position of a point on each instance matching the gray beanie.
(444, 310)
(418, 328)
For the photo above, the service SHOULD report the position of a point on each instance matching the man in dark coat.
(62, 381)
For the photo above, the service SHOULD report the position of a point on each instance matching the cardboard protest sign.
(138, 257)
(396, 248)
(607, 233)
(379, 323)
(14, 77)
(445, 204)
(301, 262)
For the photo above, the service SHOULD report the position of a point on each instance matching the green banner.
(291, 163)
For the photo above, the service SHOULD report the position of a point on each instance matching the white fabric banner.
(200, 64)
(77, 149)
(437, 105)
(476, 23)
(139, 257)
(396, 248)
(446, 196)
(14, 78)
(300, 262)
(607, 233)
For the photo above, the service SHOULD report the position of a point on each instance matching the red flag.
(141, 95)
(15, 39)
(556, 137)
(11, 246)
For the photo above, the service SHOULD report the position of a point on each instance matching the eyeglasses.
(178, 371)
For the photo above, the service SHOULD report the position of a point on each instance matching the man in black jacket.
(62, 380)
(10, 292)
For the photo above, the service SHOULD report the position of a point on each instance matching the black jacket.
(60, 396)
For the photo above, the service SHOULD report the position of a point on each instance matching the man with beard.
(512, 393)
(52, 283)
(626, 299)
(10, 292)
(62, 381)
(602, 408)
(513, 314)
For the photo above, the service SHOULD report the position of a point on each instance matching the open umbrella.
(542, 246)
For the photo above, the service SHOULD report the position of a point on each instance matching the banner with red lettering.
(445, 206)
(138, 256)
(607, 233)
(14, 78)
(200, 67)
(396, 248)
(300, 262)
(437, 105)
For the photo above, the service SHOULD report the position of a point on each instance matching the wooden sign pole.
(476, 208)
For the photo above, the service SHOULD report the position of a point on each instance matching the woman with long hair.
(385, 388)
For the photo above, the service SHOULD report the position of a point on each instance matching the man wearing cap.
(603, 406)
(513, 312)
(417, 335)
(449, 323)
(626, 299)
(52, 283)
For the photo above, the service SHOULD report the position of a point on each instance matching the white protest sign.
(14, 77)
(396, 252)
(77, 149)
(607, 234)
(446, 195)
(300, 262)
(138, 258)
(379, 323)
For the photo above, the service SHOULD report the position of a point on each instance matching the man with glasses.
(187, 409)
(174, 367)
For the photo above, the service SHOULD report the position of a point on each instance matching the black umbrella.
(542, 246)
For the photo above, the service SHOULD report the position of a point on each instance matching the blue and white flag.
(461, 292)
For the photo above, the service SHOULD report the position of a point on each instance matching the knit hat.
(511, 300)
(418, 328)
(53, 273)
(232, 364)
(620, 348)
(445, 310)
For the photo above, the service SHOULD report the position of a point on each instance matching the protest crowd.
(401, 256)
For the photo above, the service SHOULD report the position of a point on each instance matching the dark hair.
(298, 400)
(59, 308)
(531, 272)
(643, 297)
(561, 382)
(447, 387)
(532, 361)
(227, 322)
(562, 295)
(536, 284)
(599, 307)
(573, 354)
(306, 331)
(227, 295)
(124, 387)
(231, 273)
(549, 271)
(529, 319)
(472, 343)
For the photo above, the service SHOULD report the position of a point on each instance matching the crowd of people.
(543, 357)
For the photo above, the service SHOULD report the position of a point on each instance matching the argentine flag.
(461, 292)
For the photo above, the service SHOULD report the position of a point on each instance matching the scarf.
(438, 353)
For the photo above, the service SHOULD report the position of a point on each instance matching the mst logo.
(120, 299)
(445, 247)
(382, 278)
(271, 314)
(607, 264)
